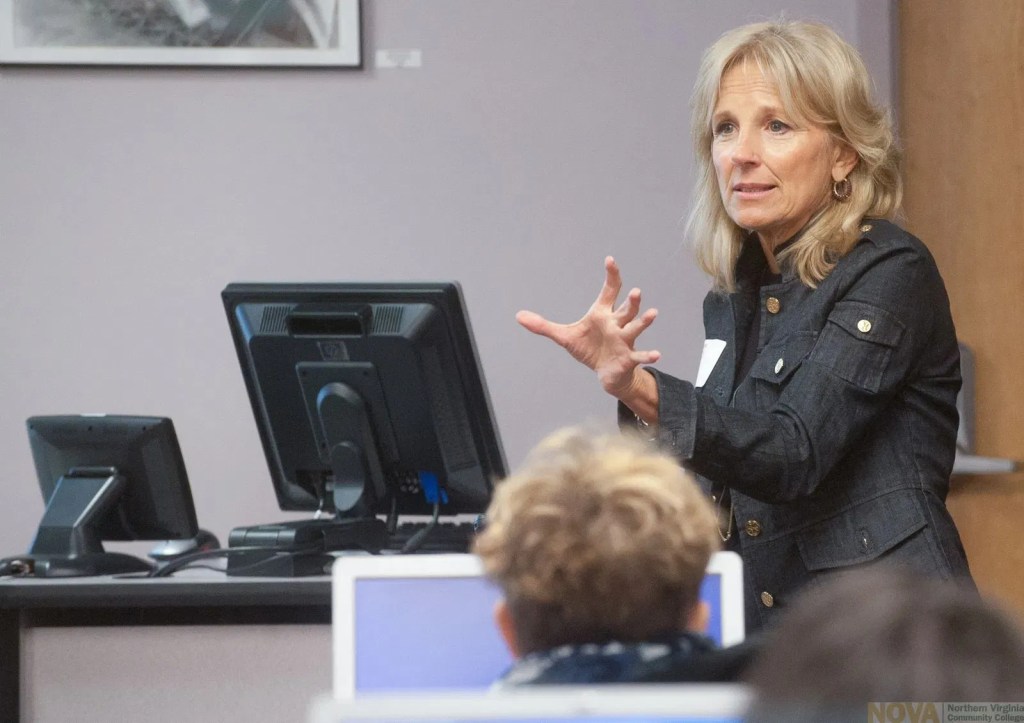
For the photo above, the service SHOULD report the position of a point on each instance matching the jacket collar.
(751, 264)
(612, 662)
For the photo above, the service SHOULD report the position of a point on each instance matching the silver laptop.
(655, 703)
(425, 622)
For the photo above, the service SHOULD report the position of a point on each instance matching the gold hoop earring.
(842, 190)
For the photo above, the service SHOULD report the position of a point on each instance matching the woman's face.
(773, 172)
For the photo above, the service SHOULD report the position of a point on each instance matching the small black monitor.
(106, 478)
(370, 403)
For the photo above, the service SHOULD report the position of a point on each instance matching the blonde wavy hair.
(597, 538)
(821, 80)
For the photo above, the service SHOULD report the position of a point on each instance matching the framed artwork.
(266, 33)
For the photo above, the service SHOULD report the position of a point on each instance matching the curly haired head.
(597, 538)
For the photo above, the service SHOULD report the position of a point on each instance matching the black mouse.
(171, 549)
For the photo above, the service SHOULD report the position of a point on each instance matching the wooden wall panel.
(962, 125)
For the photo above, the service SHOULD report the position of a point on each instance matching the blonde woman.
(823, 422)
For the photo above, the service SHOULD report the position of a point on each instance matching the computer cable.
(16, 566)
(391, 523)
(274, 555)
(420, 536)
(173, 566)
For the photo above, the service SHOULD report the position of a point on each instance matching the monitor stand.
(90, 563)
(301, 547)
(67, 543)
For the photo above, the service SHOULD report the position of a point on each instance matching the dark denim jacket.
(838, 445)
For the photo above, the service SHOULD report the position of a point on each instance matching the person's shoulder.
(881, 240)
(885, 235)
(888, 262)
(711, 664)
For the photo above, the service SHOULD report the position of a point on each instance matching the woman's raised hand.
(604, 339)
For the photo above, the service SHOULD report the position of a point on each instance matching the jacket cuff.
(678, 414)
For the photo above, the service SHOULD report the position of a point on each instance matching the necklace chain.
(728, 529)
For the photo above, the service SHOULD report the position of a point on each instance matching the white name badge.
(713, 349)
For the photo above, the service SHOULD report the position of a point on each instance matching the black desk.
(199, 597)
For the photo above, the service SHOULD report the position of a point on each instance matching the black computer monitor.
(106, 478)
(370, 403)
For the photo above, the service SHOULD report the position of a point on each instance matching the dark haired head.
(882, 634)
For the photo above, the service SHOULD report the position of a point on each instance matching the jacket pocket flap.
(867, 323)
(777, 361)
(860, 534)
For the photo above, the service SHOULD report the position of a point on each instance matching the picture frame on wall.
(255, 33)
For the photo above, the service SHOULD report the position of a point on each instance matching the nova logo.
(903, 713)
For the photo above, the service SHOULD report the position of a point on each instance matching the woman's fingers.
(629, 308)
(637, 326)
(565, 335)
(646, 357)
(532, 321)
(612, 284)
(604, 338)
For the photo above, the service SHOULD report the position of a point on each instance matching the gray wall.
(538, 136)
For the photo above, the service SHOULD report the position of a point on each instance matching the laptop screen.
(426, 633)
(425, 622)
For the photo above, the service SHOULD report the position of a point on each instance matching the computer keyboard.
(443, 537)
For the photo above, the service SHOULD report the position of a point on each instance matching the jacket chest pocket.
(776, 364)
(857, 343)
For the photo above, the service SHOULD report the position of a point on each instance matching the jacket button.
(767, 600)
(778, 365)
(865, 228)
(753, 528)
(773, 305)
(864, 326)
